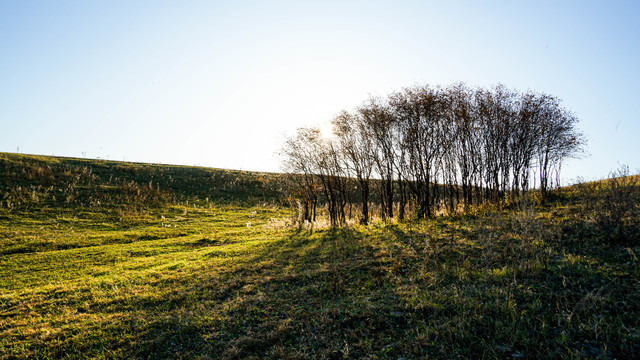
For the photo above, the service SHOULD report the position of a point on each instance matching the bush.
(616, 212)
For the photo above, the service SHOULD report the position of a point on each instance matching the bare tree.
(355, 140)
(298, 153)
(432, 148)
(558, 139)
(419, 117)
(381, 122)
(495, 111)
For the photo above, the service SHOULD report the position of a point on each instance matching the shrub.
(616, 211)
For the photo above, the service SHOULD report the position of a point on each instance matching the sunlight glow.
(325, 129)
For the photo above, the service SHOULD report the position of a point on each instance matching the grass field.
(207, 266)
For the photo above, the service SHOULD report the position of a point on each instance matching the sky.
(220, 84)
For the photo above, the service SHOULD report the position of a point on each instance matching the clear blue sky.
(219, 84)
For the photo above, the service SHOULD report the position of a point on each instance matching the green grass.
(186, 278)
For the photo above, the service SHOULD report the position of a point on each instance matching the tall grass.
(613, 206)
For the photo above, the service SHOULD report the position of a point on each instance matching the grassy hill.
(59, 181)
(118, 260)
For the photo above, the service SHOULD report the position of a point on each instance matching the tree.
(419, 120)
(355, 141)
(446, 146)
(298, 153)
(558, 139)
(380, 121)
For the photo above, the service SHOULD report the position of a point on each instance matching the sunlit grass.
(184, 281)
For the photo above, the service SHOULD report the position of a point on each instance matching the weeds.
(614, 206)
(618, 210)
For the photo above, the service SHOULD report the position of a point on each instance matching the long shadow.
(340, 294)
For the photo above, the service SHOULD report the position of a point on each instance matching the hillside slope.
(227, 279)
(58, 181)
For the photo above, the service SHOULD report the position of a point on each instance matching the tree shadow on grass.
(352, 293)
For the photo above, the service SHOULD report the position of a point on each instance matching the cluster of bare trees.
(428, 149)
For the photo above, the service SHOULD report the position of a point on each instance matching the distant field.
(118, 260)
